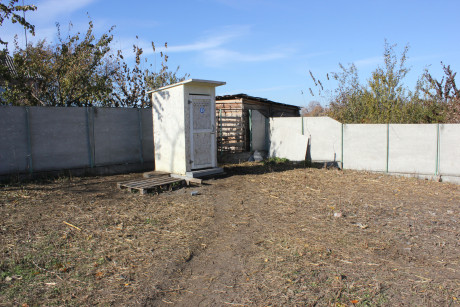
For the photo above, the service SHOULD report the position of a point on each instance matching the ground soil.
(263, 235)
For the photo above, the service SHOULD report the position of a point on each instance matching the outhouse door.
(202, 131)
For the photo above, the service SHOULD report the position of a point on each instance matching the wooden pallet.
(155, 174)
(150, 184)
(188, 180)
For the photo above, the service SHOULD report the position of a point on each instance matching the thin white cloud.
(425, 58)
(220, 56)
(209, 42)
(49, 9)
(373, 61)
(262, 90)
(211, 49)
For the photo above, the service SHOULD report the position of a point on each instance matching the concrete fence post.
(341, 150)
(388, 149)
(141, 147)
(267, 134)
(90, 140)
(250, 130)
(301, 118)
(438, 149)
(29, 142)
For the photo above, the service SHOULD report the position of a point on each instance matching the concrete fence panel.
(449, 150)
(425, 150)
(116, 136)
(365, 147)
(59, 138)
(47, 138)
(413, 148)
(325, 136)
(14, 152)
(286, 140)
(147, 135)
(258, 138)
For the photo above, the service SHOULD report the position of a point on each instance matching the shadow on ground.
(253, 168)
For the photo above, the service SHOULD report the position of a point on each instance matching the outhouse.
(184, 128)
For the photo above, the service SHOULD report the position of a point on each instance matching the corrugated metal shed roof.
(259, 99)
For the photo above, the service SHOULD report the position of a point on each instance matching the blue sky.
(266, 48)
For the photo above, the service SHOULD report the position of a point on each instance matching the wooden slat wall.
(232, 123)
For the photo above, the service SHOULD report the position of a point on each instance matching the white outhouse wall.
(169, 130)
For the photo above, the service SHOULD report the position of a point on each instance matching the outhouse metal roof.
(196, 81)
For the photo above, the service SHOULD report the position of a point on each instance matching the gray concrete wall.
(325, 136)
(258, 122)
(425, 151)
(59, 138)
(286, 139)
(365, 147)
(289, 138)
(412, 149)
(38, 139)
(14, 155)
(148, 152)
(116, 136)
(449, 149)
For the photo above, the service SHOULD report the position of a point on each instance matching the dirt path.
(277, 246)
(217, 275)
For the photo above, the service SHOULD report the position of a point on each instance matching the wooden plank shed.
(233, 115)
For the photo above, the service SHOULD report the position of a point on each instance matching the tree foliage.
(82, 70)
(11, 11)
(314, 109)
(75, 71)
(444, 93)
(385, 99)
(131, 83)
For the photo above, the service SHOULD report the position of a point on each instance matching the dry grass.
(111, 259)
(264, 235)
